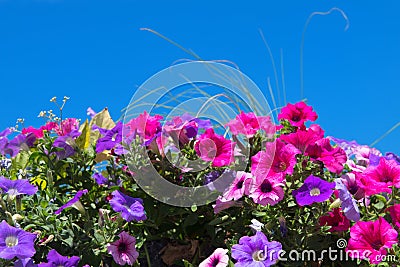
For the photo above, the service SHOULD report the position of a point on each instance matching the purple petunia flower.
(123, 250)
(100, 179)
(17, 187)
(111, 138)
(256, 251)
(129, 207)
(28, 262)
(73, 201)
(19, 142)
(15, 242)
(313, 190)
(349, 204)
(66, 143)
(55, 259)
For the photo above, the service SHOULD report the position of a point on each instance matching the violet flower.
(15, 242)
(55, 259)
(111, 138)
(129, 207)
(256, 251)
(17, 187)
(72, 201)
(349, 204)
(313, 190)
(28, 262)
(66, 143)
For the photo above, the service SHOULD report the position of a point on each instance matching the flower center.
(12, 192)
(214, 262)
(122, 247)
(386, 179)
(377, 244)
(266, 187)
(282, 166)
(296, 118)
(258, 255)
(11, 241)
(315, 192)
(239, 185)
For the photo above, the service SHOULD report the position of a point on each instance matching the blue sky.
(95, 52)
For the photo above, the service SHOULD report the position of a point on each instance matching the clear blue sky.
(94, 52)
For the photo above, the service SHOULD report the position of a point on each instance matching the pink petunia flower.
(379, 179)
(395, 214)
(278, 159)
(146, 126)
(301, 139)
(239, 187)
(298, 114)
(333, 158)
(248, 124)
(370, 240)
(219, 258)
(123, 250)
(215, 148)
(267, 190)
(67, 126)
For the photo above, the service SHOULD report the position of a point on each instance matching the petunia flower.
(278, 159)
(301, 139)
(267, 190)
(215, 148)
(394, 212)
(336, 220)
(18, 143)
(313, 190)
(55, 259)
(239, 187)
(349, 204)
(123, 250)
(28, 262)
(129, 207)
(371, 240)
(17, 187)
(256, 251)
(100, 179)
(218, 258)
(67, 126)
(111, 138)
(15, 242)
(222, 204)
(74, 201)
(297, 114)
(145, 126)
(380, 178)
(350, 181)
(248, 124)
(66, 143)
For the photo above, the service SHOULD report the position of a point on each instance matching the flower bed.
(74, 194)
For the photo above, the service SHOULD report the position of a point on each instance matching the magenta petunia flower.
(248, 124)
(215, 148)
(15, 242)
(267, 190)
(123, 250)
(350, 181)
(370, 240)
(301, 139)
(239, 187)
(218, 258)
(333, 158)
(66, 126)
(336, 220)
(145, 126)
(394, 212)
(297, 114)
(55, 259)
(379, 179)
(278, 159)
(256, 251)
(129, 207)
(17, 187)
(313, 190)
(72, 201)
